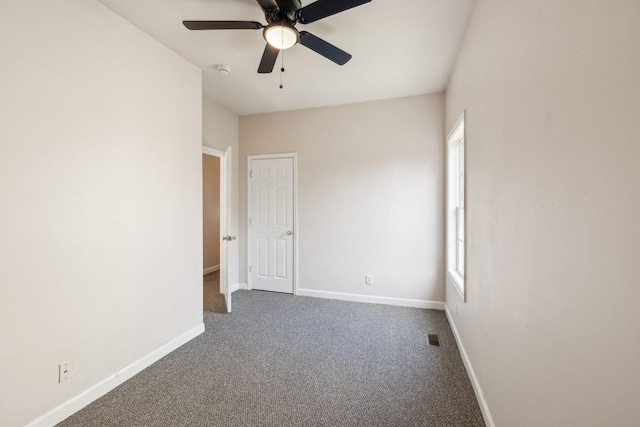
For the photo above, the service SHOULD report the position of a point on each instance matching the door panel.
(263, 206)
(281, 259)
(271, 223)
(263, 257)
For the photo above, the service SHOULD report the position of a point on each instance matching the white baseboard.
(243, 286)
(484, 408)
(401, 302)
(210, 270)
(98, 390)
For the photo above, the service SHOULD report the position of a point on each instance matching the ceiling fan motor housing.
(286, 12)
(291, 5)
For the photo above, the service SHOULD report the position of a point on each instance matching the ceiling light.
(281, 35)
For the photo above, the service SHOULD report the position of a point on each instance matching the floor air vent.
(432, 339)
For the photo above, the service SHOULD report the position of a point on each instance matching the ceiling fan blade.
(222, 25)
(268, 59)
(323, 8)
(268, 4)
(324, 48)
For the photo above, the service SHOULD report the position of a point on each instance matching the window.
(455, 207)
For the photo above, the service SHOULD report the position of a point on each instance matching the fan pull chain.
(281, 69)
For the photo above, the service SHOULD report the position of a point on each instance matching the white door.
(271, 224)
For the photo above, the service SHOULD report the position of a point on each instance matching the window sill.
(458, 283)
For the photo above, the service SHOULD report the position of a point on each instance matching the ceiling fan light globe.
(281, 36)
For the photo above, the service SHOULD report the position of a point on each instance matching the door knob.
(289, 233)
(228, 238)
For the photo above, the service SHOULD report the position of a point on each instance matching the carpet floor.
(212, 299)
(281, 360)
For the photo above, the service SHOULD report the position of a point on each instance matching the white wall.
(221, 130)
(100, 200)
(370, 194)
(552, 96)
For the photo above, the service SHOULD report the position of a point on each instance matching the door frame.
(225, 206)
(294, 157)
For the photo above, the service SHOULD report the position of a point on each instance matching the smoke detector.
(223, 69)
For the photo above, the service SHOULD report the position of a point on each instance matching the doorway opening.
(212, 298)
(215, 214)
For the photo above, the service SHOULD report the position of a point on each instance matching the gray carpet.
(212, 299)
(280, 360)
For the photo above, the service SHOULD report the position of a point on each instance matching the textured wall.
(100, 200)
(552, 99)
(370, 193)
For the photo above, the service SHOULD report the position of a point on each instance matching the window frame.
(456, 211)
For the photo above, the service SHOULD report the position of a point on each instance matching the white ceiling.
(399, 48)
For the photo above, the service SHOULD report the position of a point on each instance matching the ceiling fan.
(280, 33)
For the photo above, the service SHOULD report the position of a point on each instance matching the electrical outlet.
(65, 371)
(368, 279)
